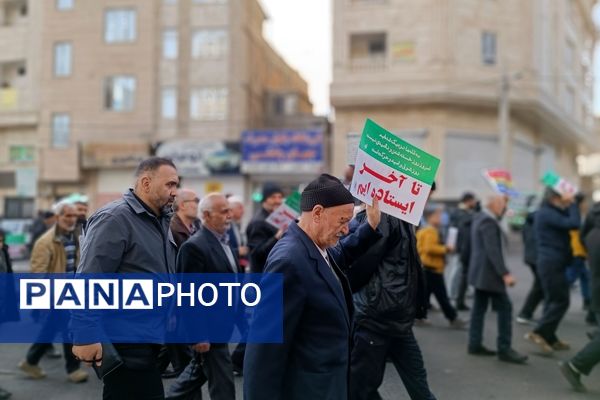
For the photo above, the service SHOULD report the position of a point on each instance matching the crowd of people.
(356, 281)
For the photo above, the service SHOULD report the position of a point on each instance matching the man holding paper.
(312, 362)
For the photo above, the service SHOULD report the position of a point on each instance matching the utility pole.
(504, 123)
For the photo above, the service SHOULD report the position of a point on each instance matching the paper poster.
(559, 184)
(397, 173)
(452, 237)
(500, 180)
(285, 214)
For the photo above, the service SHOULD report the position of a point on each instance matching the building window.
(61, 130)
(119, 26)
(208, 104)
(169, 103)
(62, 59)
(211, 43)
(368, 49)
(286, 104)
(119, 93)
(64, 5)
(19, 207)
(170, 46)
(21, 153)
(488, 48)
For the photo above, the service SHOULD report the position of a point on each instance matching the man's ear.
(145, 183)
(317, 212)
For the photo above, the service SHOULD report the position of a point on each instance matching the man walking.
(185, 220)
(56, 251)
(383, 327)
(208, 251)
(589, 356)
(313, 360)
(555, 218)
(132, 235)
(263, 236)
(490, 277)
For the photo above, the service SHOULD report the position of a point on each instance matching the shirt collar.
(223, 239)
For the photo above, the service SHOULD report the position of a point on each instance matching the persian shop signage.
(283, 151)
(195, 158)
(114, 154)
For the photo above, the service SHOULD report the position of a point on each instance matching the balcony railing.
(378, 63)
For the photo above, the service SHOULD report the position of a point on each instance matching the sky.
(300, 30)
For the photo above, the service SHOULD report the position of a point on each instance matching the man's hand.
(201, 347)
(450, 249)
(509, 280)
(89, 353)
(243, 251)
(374, 214)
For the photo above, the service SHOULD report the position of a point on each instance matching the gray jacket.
(487, 266)
(125, 237)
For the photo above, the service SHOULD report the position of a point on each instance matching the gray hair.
(207, 202)
(235, 200)
(179, 198)
(59, 208)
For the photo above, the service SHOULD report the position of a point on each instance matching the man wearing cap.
(312, 362)
(262, 236)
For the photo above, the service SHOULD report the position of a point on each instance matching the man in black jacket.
(555, 218)
(536, 294)
(262, 236)
(386, 308)
(208, 251)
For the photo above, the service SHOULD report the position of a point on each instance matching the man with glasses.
(185, 221)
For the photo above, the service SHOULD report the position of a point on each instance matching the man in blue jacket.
(312, 362)
(555, 218)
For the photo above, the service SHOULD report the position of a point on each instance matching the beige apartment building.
(108, 82)
(480, 84)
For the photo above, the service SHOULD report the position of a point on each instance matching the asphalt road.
(453, 374)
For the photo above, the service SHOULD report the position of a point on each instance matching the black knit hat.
(327, 191)
(269, 189)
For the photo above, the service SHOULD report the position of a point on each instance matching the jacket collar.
(334, 282)
(217, 248)
(135, 203)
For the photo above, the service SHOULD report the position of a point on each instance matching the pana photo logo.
(132, 294)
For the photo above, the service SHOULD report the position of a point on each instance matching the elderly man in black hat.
(313, 360)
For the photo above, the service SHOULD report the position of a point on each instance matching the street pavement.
(453, 375)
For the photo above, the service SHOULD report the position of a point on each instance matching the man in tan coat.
(56, 251)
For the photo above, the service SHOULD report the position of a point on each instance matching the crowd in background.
(392, 281)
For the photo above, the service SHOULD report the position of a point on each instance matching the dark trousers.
(178, 355)
(138, 378)
(578, 270)
(436, 285)
(589, 356)
(367, 364)
(237, 357)
(463, 285)
(556, 299)
(213, 366)
(503, 307)
(51, 328)
(534, 297)
(37, 351)
(127, 384)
